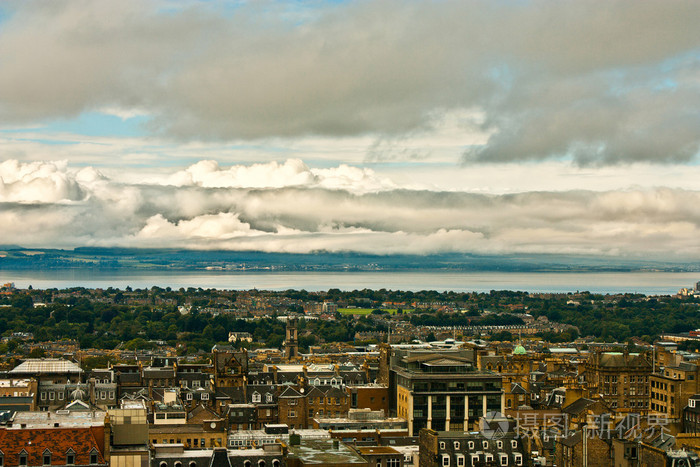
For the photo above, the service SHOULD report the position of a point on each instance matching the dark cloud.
(596, 81)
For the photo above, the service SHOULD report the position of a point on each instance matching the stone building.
(442, 390)
(621, 377)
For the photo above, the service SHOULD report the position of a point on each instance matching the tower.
(291, 344)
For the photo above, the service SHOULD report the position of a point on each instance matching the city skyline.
(374, 127)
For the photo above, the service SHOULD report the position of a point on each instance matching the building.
(175, 455)
(621, 377)
(442, 390)
(454, 449)
(671, 389)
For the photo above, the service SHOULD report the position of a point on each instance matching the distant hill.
(16, 257)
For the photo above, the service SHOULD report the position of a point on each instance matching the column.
(430, 412)
(483, 405)
(447, 414)
(503, 402)
(410, 414)
(466, 413)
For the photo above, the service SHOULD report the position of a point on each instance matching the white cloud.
(88, 208)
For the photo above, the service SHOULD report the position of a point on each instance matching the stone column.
(447, 413)
(430, 412)
(466, 413)
(410, 414)
(483, 405)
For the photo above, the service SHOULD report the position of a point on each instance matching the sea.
(648, 283)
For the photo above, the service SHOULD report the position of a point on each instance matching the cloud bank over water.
(289, 207)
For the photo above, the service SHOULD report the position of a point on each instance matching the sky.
(488, 126)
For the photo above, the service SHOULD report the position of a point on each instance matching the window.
(268, 397)
(499, 444)
(485, 444)
(504, 459)
(178, 464)
(195, 384)
(456, 444)
(205, 396)
(23, 458)
(261, 463)
(291, 414)
(163, 464)
(393, 463)
(445, 460)
(51, 396)
(93, 456)
(518, 459)
(460, 461)
(193, 464)
(2, 460)
(47, 457)
(513, 443)
(247, 464)
(488, 458)
(256, 396)
(188, 396)
(60, 396)
(442, 445)
(471, 445)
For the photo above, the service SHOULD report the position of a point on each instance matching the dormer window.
(93, 456)
(268, 397)
(23, 458)
(256, 397)
(70, 457)
(188, 396)
(47, 457)
(205, 396)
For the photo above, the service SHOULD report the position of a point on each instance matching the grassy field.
(363, 311)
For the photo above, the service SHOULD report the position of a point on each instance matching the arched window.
(178, 464)
(275, 463)
(247, 464)
(193, 464)
(163, 464)
(261, 463)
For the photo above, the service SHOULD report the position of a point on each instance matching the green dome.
(519, 350)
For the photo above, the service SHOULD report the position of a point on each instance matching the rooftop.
(46, 365)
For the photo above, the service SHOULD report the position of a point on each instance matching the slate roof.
(578, 406)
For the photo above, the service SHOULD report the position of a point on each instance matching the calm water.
(650, 283)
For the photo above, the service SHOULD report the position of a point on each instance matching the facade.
(621, 377)
(452, 449)
(442, 391)
(672, 387)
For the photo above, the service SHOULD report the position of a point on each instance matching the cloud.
(599, 82)
(93, 209)
(293, 172)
